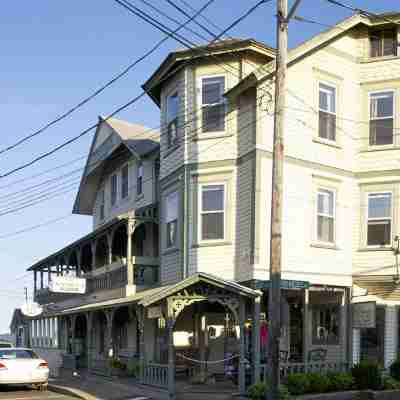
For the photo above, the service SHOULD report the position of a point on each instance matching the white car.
(23, 367)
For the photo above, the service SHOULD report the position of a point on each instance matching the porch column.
(93, 246)
(78, 262)
(391, 333)
(109, 336)
(89, 336)
(109, 247)
(73, 324)
(242, 361)
(35, 281)
(256, 339)
(305, 326)
(171, 349)
(130, 289)
(41, 279)
(344, 327)
(140, 313)
(49, 274)
(356, 346)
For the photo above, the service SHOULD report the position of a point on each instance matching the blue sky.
(54, 53)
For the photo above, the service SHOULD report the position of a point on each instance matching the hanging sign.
(154, 312)
(31, 309)
(67, 284)
(364, 315)
(285, 284)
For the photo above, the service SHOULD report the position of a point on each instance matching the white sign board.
(364, 315)
(67, 284)
(31, 309)
(154, 312)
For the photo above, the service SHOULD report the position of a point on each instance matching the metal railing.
(155, 374)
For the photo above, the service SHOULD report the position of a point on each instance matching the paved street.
(22, 393)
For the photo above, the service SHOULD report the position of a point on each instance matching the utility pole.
(283, 18)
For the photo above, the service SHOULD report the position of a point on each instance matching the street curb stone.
(79, 394)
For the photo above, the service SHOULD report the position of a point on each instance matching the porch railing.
(155, 374)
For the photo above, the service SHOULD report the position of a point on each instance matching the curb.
(79, 394)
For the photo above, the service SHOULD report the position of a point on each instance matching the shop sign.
(285, 284)
(154, 312)
(31, 309)
(364, 315)
(67, 284)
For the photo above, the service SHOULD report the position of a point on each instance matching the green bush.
(318, 383)
(298, 384)
(134, 368)
(390, 383)
(339, 382)
(258, 391)
(116, 363)
(395, 370)
(367, 375)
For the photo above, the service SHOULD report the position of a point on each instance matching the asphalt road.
(23, 393)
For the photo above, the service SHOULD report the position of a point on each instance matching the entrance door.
(372, 339)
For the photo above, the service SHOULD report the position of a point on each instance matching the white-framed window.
(114, 189)
(213, 105)
(327, 112)
(139, 179)
(383, 43)
(379, 219)
(124, 182)
(171, 218)
(381, 118)
(325, 215)
(172, 119)
(212, 211)
(101, 204)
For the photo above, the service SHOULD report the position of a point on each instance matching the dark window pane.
(213, 198)
(212, 226)
(212, 90)
(326, 328)
(113, 189)
(389, 43)
(381, 132)
(124, 184)
(378, 233)
(327, 126)
(172, 233)
(172, 133)
(376, 45)
(213, 118)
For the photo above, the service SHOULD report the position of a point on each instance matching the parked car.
(23, 366)
(5, 345)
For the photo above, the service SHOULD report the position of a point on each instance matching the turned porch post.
(93, 246)
(89, 336)
(109, 248)
(242, 360)
(129, 264)
(305, 326)
(78, 261)
(171, 349)
(35, 281)
(256, 339)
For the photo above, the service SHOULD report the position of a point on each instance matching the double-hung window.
(326, 216)
(212, 212)
(101, 204)
(172, 119)
(171, 218)
(327, 112)
(379, 224)
(114, 189)
(213, 104)
(139, 179)
(381, 109)
(383, 43)
(124, 182)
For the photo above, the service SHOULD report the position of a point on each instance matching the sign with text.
(364, 315)
(154, 312)
(67, 284)
(285, 284)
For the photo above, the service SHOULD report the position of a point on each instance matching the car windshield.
(12, 354)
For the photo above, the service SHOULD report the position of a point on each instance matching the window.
(212, 212)
(172, 119)
(379, 219)
(101, 205)
(383, 43)
(381, 118)
(171, 218)
(124, 182)
(327, 112)
(325, 216)
(326, 328)
(114, 183)
(139, 179)
(213, 104)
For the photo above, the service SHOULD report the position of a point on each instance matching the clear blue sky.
(54, 53)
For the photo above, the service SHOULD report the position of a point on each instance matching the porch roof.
(384, 286)
(151, 296)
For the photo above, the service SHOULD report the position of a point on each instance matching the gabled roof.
(318, 41)
(137, 139)
(175, 60)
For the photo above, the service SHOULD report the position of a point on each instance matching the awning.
(386, 286)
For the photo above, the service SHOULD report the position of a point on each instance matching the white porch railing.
(155, 374)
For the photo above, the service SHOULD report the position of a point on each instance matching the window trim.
(370, 94)
(127, 182)
(201, 105)
(200, 212)
(175, 120)
(317, 214)
(115, 202)
(379, 192)
(335, 87)
(174, 245)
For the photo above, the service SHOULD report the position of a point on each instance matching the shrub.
(395, 370)
(390, 383)
(298, 384)
(134, 368)
(117, 364)
(258, 391)
(318, 383)
(367, 375)
(339, 382)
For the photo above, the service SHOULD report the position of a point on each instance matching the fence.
(155, 374)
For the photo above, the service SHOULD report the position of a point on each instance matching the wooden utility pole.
(276, 206)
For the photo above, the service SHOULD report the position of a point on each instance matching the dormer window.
(383, 43)
(213, 104)
(172, 119)
(139, 179)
